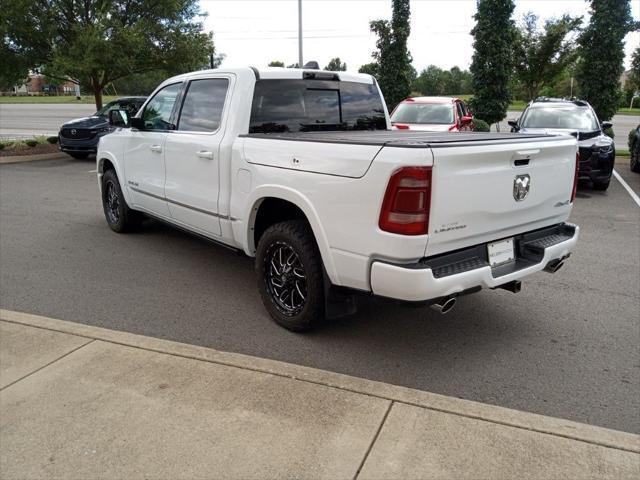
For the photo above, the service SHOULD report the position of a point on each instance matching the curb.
(432, 401)
(33, 158)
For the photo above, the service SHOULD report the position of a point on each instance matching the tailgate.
(475, 186)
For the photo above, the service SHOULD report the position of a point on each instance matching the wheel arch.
(106, 161)
(272, 204)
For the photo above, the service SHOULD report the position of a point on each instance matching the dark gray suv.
(79, 138)
(576, 117)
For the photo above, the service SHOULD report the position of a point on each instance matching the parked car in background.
(298, 168)
(79, 137)
(576, 117)
(433, 114)
(634, 149)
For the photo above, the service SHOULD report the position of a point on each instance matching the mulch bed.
(25, 150)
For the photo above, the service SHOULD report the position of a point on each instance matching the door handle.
(205, 154)
(156, 148)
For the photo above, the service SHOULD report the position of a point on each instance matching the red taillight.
(575, 177)
(405, 208)
(401, 126)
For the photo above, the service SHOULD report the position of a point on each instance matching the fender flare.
(106, 155)
(302, 202)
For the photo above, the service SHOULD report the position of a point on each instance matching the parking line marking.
(633, 194)
(93, 171)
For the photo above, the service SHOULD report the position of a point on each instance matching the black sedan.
(575, 117)
(79, 138)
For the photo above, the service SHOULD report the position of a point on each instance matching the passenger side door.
(144, 151)
(192, 154)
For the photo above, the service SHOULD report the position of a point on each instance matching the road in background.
(29, 119)
(566, 346)
(45, 119)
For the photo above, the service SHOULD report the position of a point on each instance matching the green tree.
(369, 68)
(491, 65)
(602, 55)
(392, 58)
(276, 63)
(335, 65)
(97, 42)
(541, 55)
(429, 82)
(633, 81)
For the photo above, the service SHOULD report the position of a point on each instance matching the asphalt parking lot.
(566, 346)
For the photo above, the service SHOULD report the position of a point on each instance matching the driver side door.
(144, 151)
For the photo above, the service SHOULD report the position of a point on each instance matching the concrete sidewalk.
(83, 402)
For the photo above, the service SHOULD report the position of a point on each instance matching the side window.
(203, 104)
(157, 113)
(461, 111)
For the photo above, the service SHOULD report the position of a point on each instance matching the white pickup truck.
(299, 169)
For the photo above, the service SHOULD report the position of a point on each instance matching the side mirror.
(137, 123)
(514, 125)
(118, 118)
(606, 125)
(466, 119)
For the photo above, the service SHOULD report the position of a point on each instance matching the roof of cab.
(275, 73)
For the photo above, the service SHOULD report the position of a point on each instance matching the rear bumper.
(468, 269)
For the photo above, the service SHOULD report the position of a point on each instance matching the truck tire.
(601, 186)
(634, 163)
(289, 271)
(120, 217)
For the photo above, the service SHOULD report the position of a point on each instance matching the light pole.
(300, 34)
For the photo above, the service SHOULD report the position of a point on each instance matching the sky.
(255, 32)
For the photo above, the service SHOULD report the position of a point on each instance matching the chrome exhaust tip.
(444, 306)
(553, 266)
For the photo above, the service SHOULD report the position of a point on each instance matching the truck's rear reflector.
(405, 208)
(575, 177)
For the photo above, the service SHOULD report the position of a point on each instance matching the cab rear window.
(315, 105)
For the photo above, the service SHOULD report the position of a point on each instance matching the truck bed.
(403, 139)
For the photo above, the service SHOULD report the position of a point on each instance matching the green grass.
(622, 152)
(56, 99)
(629, 111)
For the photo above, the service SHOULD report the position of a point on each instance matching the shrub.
(609, 132)
(481, 125)
(2, 146)
(52, 140)
(31, 143)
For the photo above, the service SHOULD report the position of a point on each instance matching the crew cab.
(300, 169)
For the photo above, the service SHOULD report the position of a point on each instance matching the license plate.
(500, 252)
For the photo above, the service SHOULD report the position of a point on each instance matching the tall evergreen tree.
(392, 58)
(491, 65)
(602, 55)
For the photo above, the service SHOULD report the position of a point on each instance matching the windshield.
(565, 117)
(429, 113)
(312, 105)
(128, 106)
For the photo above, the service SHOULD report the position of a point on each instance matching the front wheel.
(120, 217)
(289, 270)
